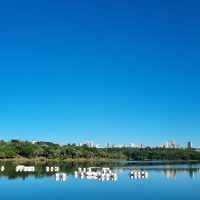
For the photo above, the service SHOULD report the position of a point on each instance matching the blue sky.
(118, 71)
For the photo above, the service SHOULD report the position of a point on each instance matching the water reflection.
(60, 176)
(135, 174)
(172, 173)
(39, 170)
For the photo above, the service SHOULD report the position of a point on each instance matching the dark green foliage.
(164, 154)
(49, 150)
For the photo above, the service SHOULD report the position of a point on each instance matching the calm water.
(165, 181)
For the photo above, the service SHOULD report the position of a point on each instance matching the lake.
(166, 180)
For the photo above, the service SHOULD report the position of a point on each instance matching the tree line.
(25, 149)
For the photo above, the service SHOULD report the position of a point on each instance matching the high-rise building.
(142, 146)
(170, 144)
(189, 145)
(132, 145)
(108, 145)
(89, 143)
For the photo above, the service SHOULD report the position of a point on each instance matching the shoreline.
(41, 159)
(54, 160)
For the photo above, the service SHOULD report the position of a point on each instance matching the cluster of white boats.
(87, 173)
(23, 168)
(95, 173)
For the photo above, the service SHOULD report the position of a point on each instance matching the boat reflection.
(60, 176)
(135, 174)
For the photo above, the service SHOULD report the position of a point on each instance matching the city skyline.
(91, 143)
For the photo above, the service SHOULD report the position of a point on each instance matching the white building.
(115, 146)
(89, 143)
(189, 145)
(170, 144)
(33, 141)
(132, 145)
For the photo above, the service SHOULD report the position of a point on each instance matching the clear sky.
(118, 71)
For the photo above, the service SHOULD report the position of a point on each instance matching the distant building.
(89, 143)
(142, 146)
(97, 146)
(132, 145)
(80, 144)
(33, 141)
(170, 144)
(189, 145)
(108, 145)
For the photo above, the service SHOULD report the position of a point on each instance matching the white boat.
(52, 169)
(2, 168)
(23, 168)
